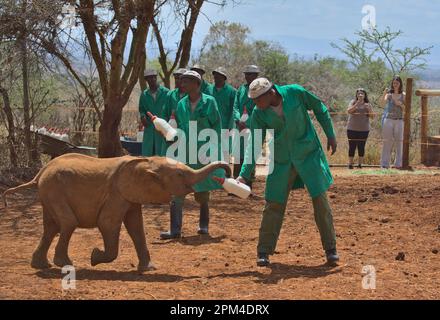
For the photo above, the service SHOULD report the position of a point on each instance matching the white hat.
(180, 71)
(199, 67)
(222, 71)
(251, 69)
(192, 74)
(258, 87)
(149, 73)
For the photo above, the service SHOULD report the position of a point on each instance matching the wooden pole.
(424, 128)
(407, 124)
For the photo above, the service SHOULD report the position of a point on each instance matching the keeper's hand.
(332, 144)
(241, 180)
(144, 121)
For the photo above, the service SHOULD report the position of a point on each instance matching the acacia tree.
(185, 13)
(9, 123)
(229, 45)
(376, 59)
(19, 19)
(84, 116)
(180, 15)
(110, 30)
(8, 74)
(373, 44)
(117, 77)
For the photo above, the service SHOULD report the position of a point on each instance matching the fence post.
(407, 124)
(424, 128)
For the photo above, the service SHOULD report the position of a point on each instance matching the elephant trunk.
(201, 174)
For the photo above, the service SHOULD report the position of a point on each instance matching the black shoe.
(168, 235)
(359, 166)
(350, 166)
(263, 260)
(332, 256)
(204, 219)
(203, 231)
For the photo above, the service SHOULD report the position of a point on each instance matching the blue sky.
(306, 27)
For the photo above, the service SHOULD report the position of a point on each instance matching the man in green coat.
(243, 104)
(174, 96)
(205, 86)
(224, 94)
(196, 109)
(298, 160)
(152, 100)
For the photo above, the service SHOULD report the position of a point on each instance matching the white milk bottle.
(233, 186)
(163, 127)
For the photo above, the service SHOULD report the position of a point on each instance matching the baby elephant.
(77, 191)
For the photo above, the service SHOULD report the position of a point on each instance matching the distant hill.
(430, 77)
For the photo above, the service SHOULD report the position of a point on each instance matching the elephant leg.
(135, 226)
(109, 224)
(110, 236)
(50, 230)
(68, 224)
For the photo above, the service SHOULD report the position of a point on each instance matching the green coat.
(206, 87)
(153, 141)
(242, 100)
(296, 143)
(225, 98)
(207, 116)
(171, 105)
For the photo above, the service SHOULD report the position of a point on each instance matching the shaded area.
(280, 271)
(113, 275)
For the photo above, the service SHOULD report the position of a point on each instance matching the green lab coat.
(206, 88)
(207, 116)
(225, 98)
(153, 140)
(242, 100)
(170, 107)
(295, 144)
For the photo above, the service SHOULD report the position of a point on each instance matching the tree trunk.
(186, 40)
(167, 79)
(26, 102)
(117, 82)
(32, 152)
(142, 81)
(11, 128)
(109, 138)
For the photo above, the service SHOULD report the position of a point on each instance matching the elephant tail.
(27, 185)
(201, 174)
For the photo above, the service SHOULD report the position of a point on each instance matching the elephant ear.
(138, 182)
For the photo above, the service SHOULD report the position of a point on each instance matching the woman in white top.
(392, 123)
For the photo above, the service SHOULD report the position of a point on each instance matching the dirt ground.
(376, 218)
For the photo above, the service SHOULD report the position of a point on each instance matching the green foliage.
(374, 45)
(229, 45)
(273, 59)
(333, 80)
